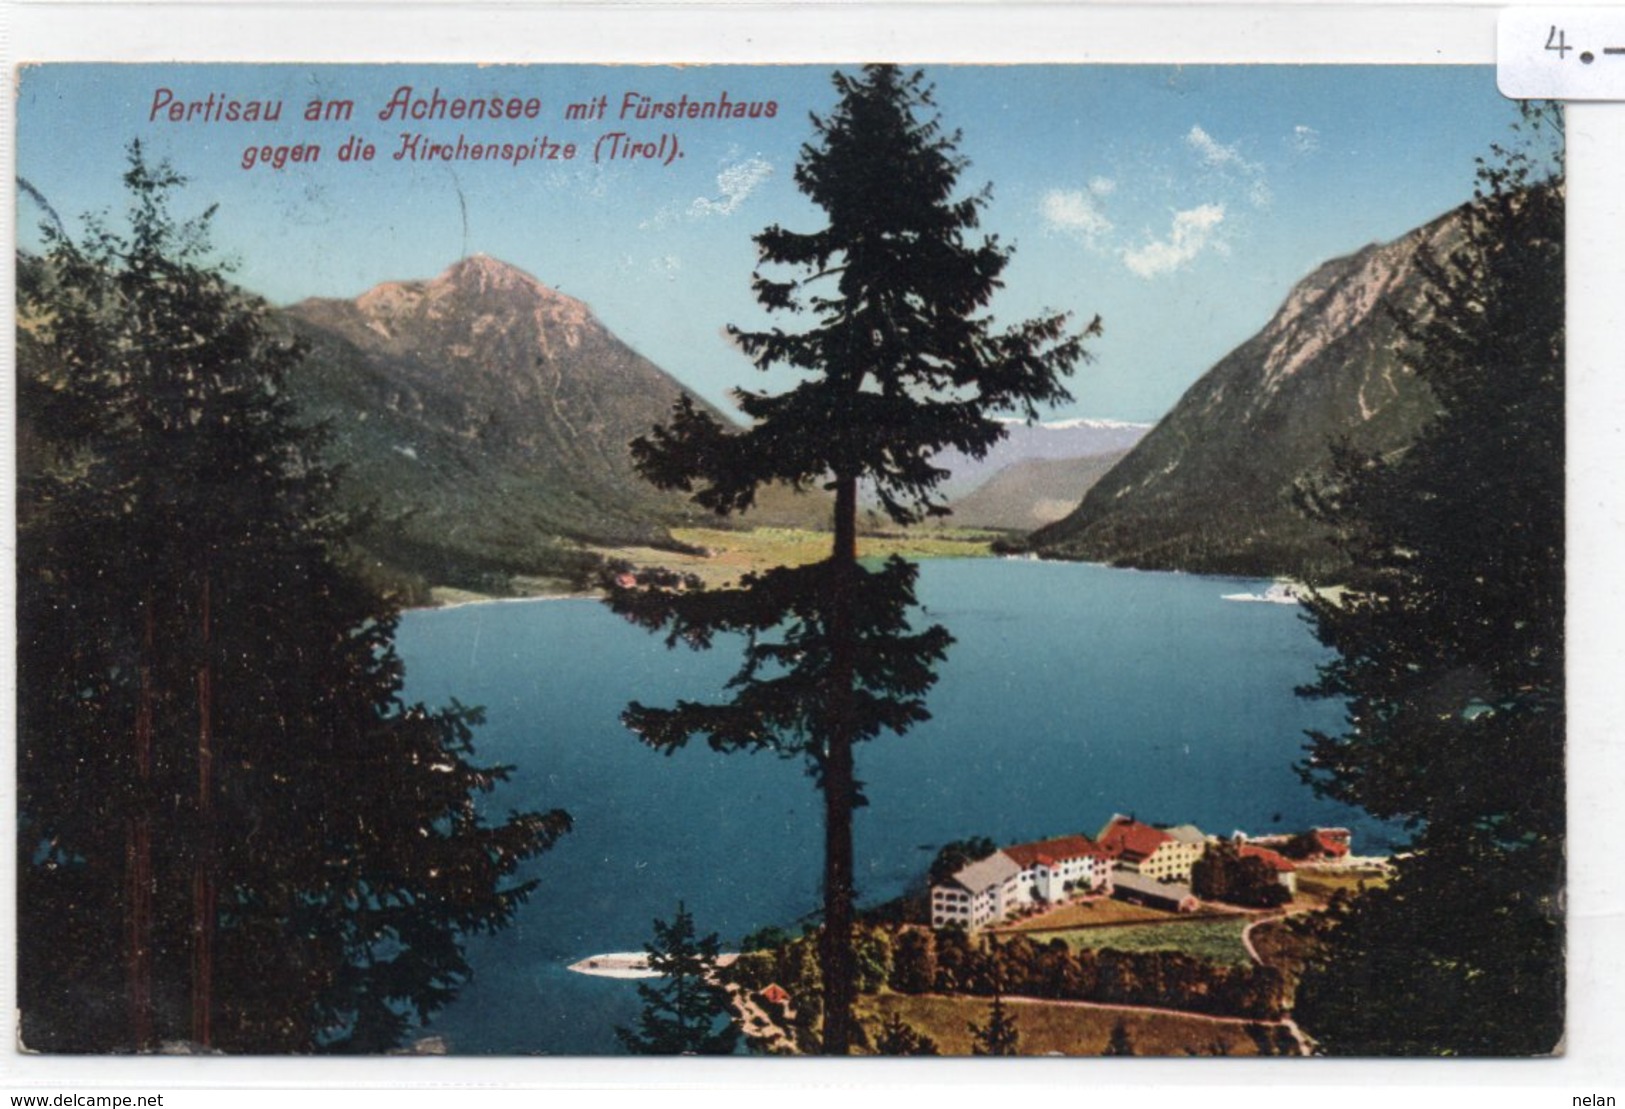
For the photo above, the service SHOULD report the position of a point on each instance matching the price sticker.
(1561, 53)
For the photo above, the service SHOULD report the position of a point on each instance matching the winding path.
(1305, 1045)
(1151, 1010)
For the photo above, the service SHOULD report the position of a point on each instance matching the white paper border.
(934, 32)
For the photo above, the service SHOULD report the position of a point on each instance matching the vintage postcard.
(789, 560)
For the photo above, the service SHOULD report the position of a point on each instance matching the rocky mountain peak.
(479, 277)
(481, 273)
(484, 419)
(1340, 297)
(1211, 488)
(473, 307)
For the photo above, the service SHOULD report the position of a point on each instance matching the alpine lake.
(1072, 692)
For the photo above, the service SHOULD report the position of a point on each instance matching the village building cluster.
(1127, 859)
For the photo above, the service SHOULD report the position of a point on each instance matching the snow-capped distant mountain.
(1061, 439)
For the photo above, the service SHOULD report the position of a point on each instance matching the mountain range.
(1054, 441)
(1210, 488)
(482, 421)
(1032, 492)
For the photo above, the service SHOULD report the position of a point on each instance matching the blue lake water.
(1072, 692)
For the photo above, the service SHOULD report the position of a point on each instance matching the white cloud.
(1229, 161)
(1075, 212)
(1213, 152)
(1304, 139)
(735, 183)
(1193, 231)
(1102, 186)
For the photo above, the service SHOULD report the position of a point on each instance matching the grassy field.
(1216, 940)
(1319, 885)
(1048, 1027)
(730, 554)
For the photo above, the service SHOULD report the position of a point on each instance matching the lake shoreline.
(720, 557)
(464, 598)
(723, 556)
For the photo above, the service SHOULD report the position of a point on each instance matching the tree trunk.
(840, 784)
(840, 987)
(203, 885)
(138, 850)
(845, 551)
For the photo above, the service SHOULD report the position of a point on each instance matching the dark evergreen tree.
(1224, 874)
(999, 1036)
(914, 962)
(689, 1013)
(1056, 975)
(872, 955)
(901, 361)
(900, 1038)
(1449, 653)
(232, 832)
(1302, 845)
(805, 627)
(952, 857)
(765, 938)
(1119, 1044)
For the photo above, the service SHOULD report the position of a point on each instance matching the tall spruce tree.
(999, 1036)
(1449, 654)
(689, 1013)
(232, 832)
(897, 1037)
(901, 360)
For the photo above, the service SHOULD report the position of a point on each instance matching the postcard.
(789, 560)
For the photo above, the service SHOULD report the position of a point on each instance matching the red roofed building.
(992, 889)
(1285, 871)
(1317, 845)
(1141, 849)
(1334, 842)
(1049, 866)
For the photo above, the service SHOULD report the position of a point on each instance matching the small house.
(1285, 872)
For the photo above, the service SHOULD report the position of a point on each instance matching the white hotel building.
(988, 891)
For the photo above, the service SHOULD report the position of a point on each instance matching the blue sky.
(1179, 203)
